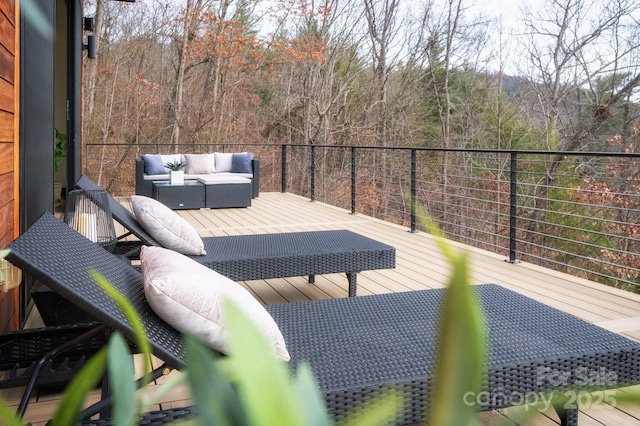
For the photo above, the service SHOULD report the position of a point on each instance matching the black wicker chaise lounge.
(357, 346)
(21, 350)
(263, 256)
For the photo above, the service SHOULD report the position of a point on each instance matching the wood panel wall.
(9, 147)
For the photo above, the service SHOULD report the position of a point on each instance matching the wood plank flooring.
(419, 265)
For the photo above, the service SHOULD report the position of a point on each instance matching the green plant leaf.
(8, 414)
(263, 380)
(76, 393)
(630, 395)
(217, 401)
(161, 392)
(175, 165)
(122, 381)
(131, 314)
(311, 401)
(461, 359)
(381, 412)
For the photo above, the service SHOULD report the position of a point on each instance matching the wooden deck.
(419, 266)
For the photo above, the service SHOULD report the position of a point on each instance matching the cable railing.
(576, 212)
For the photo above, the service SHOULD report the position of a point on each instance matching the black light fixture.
(90, 46)
(89, 23)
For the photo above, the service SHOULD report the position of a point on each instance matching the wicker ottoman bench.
(226, 191)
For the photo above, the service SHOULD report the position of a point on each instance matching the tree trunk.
(91, 66)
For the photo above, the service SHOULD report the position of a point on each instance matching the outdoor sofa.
(149, 168)
(359, 346)
(263, 256)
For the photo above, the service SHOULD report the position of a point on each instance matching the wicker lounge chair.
(24, 351)
(262, 256)
(356, 346)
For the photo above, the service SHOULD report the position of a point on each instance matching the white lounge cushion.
(244, 175)
(195, 177)
(222, 179)
(190, 297)
(165, 176)
(224, 161)
(166, 226)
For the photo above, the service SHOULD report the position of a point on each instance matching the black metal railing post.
(413, 190)
(353, 180)
(313, 173)
(284, 168)
(512, 207)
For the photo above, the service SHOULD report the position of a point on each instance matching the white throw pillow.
(166, 226)
(199, 164)
(224, 161)
(189, 296)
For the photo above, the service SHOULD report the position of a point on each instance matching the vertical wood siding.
(9, 63)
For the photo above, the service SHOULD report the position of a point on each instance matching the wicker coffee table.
(189, 195)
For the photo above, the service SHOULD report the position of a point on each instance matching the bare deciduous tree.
(571, 46)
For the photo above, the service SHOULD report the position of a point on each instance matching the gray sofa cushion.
(241, 162)
(153, 164)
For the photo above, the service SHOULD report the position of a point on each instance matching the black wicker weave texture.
(62, 259)
(228, 195)
(21, 350)
(159, 417)
(262, 256)
(248, 257)
(23, 347)
(189, 195)
(358, 346)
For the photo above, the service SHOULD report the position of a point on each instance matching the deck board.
(419, 265)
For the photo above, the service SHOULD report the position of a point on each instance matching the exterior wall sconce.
(89, 23)
(90, 46)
